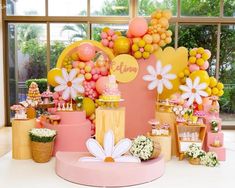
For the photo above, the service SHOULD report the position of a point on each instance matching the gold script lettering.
(122, 68)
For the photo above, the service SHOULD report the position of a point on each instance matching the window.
(67, 8)
(207, 23)
(25, 8)
(109, 8)
(63, 34)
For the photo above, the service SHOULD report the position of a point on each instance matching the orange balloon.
(163, 22)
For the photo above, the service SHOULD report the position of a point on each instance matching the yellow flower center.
(159, 76)
(109, 160)
(69, 83)
(193, 90)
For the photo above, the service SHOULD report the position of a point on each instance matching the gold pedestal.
(110, 119)
(21, 148)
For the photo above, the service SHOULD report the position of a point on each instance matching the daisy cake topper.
(110, 152)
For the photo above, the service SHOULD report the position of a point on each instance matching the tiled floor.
(27, 174)
(5, 140)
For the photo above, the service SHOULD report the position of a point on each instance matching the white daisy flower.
(110, 153)
(159, 77)
(193, 91)
(69, 84)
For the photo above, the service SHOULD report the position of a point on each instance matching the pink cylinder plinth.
(107, 174)
(71, 117)
(71, 137)
(220, 151)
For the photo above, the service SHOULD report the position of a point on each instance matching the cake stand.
(111, 103)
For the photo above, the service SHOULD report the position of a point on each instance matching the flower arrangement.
(214, 126)
(42, 135)
(210, 159)
(194, 151)
(142, 147)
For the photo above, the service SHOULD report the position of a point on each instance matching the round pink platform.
(107, 174)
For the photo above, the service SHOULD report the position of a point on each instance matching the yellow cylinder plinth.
(165, 142)
(21, 148)
(110, 119)
(170, 118)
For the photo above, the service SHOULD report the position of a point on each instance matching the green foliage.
(79, 30)
(42, 83)
(200, 7)
(37, 58)
(146, 7)
(227, 101)
(56, 49)
(44, 139)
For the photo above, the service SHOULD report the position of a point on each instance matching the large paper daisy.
(193, 91)
(159, 77)
(69, 84)
(109, 153)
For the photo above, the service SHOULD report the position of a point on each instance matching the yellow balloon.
(203, 75)
(221, 92)
(121, 45)
(88, 106)
(213, 81)
(51, 76)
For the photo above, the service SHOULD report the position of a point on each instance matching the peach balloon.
(128, 34)
(138, 26)
(193, 67)
(205, 65)
(163, 22)
(86, 51)
(148, 38)
(101, 84)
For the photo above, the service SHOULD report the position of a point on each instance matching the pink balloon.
(208, 52)
(138, 26)
(90, 63)
(93, 71)
(75, 64)
(104, 35)
(86, 51)
(111, 44)
(128, 34)
(205, 65)
(110, 32)
(101, 84)
(105, 42)
(55, 95)
(198, 56)
(193, 67)
(114, 37)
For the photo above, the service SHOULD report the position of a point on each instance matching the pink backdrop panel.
(139, 101)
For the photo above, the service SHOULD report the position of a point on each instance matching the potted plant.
(42, 142)
(210, 159)
(194, 153)
(145, 148)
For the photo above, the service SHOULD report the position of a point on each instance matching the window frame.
(89, 20)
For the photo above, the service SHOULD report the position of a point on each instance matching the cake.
(111, 91)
